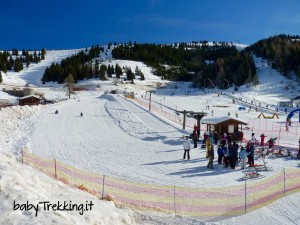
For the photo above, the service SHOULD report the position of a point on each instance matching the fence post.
(284, 181)
(174, 200)
(245, 196)
(103, 181)
(55, 174)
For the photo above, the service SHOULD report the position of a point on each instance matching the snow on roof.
(219, 119)
(28, 96)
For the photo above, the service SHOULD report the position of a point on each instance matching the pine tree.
(137, 71)
(130, 74)
(118, 71)
(108, 71)
(70, 85)
(142, 76)
(28, 61)
(43, 54)
(15, 52)
(103, 69)
(35, 57)
(18, 65)
(97, 72)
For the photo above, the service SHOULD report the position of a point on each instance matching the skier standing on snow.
(251, 155)
(220, 154)
(234, 155)
(211, 156)
(224, 140)
(262, 139)
(271, 143)
(243, 157)
(253, 139)
(216, 137)
(187, 148)
(195, 138)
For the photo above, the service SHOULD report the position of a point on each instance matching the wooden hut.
(225, 124)
(29, 100)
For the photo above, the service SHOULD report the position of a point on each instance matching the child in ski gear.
(187, 148)
(262, 139)
(243, 157)
(253, 139)
(271, 143)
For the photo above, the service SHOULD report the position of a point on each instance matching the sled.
(262, 166)
(261, 153)
(280, 152)
(250, 174)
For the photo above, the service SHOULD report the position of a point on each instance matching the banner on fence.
(226, 201)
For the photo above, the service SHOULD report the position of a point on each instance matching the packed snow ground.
(141, 146)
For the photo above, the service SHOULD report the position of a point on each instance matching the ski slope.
(142, 146)
(118, 138)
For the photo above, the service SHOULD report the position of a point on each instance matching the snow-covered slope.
(141, 146)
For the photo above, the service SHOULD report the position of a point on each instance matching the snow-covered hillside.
(120, 138)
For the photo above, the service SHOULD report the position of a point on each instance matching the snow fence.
(198, 202)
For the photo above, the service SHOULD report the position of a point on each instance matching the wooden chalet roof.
(214, 120)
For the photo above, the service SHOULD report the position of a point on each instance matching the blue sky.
(67, 24)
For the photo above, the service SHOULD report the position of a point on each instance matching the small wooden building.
(225, 124)
(29, 100)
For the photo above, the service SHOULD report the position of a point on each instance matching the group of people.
(228, 151)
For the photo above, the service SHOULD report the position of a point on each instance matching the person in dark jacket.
(194, 135)
(251, 155)
(226, 155)
(270, 143)
(220, 154)
(224, 140)
(234, 154)
(216, 137)
(229, 139)
(262, 139)
(205, 136)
